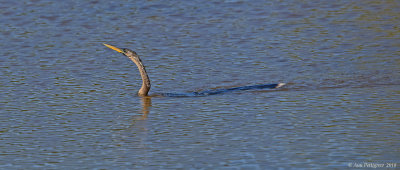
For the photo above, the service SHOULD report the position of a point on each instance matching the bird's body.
(144, 90)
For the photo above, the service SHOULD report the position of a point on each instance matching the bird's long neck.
(144, 90)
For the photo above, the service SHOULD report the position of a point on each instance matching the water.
(68, 102)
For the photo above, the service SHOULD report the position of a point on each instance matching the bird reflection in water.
(146, 104)
(145, 110)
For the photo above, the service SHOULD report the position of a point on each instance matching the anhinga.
(144, 90)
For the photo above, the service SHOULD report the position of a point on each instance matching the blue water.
(68, 102)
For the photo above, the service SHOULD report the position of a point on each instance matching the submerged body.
(146, 85)
(221, 91)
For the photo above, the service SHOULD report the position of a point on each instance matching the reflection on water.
(146, 104)
(68, 103)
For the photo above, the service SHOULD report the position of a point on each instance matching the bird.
(146, 85)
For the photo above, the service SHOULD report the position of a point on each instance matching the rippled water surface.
(68, 102)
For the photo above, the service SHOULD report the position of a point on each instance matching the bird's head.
(127, 52)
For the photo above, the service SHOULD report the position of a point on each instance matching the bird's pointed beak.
(114, 48)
